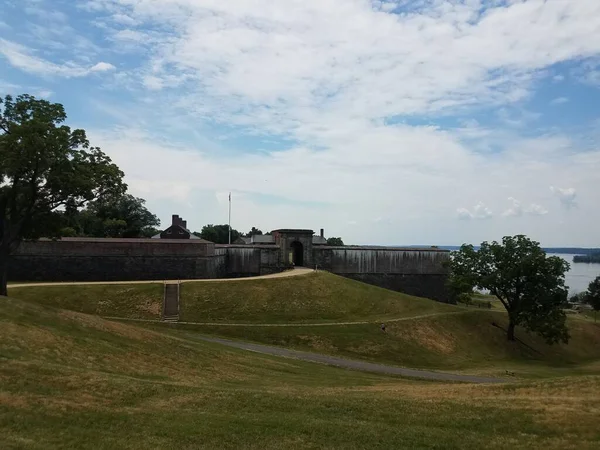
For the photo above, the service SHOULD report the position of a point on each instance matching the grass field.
(430, 335)
(313, 298)
(135, 301)
(69, 380)
(464, 342)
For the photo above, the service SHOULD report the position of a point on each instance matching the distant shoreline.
(558, 250)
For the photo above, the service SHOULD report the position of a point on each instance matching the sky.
(429, 122)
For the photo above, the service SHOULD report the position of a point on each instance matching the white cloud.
(517, 209)
(559, 101)
(22, 58)
(558, 78)
(536, 209)
(240, 56)
(567, 196)
(124, 19)
(102, 67)
(480, 211)
(341, 79)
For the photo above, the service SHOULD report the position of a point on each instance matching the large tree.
(44, 166)
(529, 284)
(121, 216)
(592, 296)
(219, 234)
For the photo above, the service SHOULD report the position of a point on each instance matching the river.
(580, 275)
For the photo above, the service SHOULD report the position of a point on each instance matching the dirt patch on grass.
(12, 400)
(426, 335)
(150, 307)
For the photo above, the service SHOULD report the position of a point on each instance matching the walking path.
(288, 273)
(349, 363)
(318, 324)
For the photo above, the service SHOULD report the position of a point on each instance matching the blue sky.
(396, 122)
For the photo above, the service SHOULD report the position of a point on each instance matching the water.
(580, 275)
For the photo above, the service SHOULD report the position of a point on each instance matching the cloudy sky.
(384, 122)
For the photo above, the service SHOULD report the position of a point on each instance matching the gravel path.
(349, 363)
(288, 273)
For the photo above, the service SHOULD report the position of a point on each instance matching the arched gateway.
(296, 246)
(297, 253)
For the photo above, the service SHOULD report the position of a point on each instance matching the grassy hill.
(313, 298)
(134, 301)
(420, 333)
(465, 342)
(71, 380)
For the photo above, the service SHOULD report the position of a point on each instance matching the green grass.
(73, 381)
(463, 342)
(447, 338)
(135, 301)
(312, 298)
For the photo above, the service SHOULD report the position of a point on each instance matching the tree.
(592, 296)
(44, 166)
(530, 285)
(335, 241)
(219, 234)
(253, 232)
(123, 216)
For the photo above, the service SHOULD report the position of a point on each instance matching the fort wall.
(418, 272)
(114, 260)
(247, 261)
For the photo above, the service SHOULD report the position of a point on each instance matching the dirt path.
(349, 363)
(288, 273)
(318, 324)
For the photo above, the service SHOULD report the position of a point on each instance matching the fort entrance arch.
(295, 246)
(297, 252)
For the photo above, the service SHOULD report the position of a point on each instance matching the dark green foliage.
(590, 258)
(335, 241)
(44, 166)
(219, 234)
(253, 232)
(530, 285)
(592, 296)
(122, 216)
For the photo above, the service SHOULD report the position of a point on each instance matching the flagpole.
(230, 218)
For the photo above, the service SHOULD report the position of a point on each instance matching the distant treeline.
(591, 258)
(556, 250)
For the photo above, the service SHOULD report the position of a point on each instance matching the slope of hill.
(312, 298)
(420, 333)
(74, 381)
(470, 341)
(315, 297)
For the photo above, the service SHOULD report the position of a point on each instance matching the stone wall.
(114, 260)
(414, 271)
(245, 261)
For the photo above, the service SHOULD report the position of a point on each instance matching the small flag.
(230, 196)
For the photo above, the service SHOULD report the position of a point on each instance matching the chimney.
(175, 219)
(184, 224)
(322, 232)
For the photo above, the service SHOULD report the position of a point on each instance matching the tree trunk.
(510, 333)
(3, 274)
